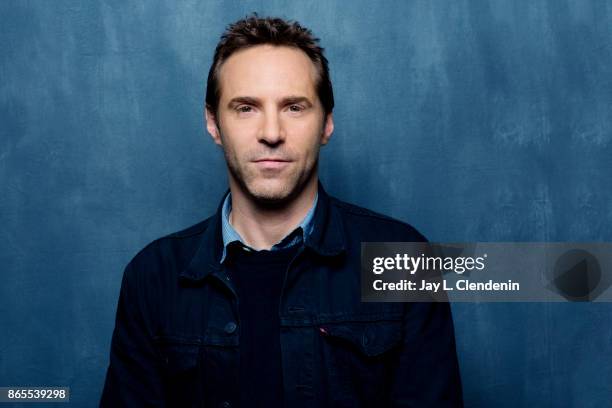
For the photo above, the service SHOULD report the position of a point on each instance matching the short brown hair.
(253, 30)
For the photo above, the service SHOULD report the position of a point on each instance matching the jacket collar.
(326, 239)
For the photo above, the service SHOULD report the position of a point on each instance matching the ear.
(328, 129)
(212, 126)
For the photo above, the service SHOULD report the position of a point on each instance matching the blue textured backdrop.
(472, 120)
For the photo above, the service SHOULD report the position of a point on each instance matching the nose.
(272, 131)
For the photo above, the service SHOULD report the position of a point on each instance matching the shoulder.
(374, 226)
(171, 251)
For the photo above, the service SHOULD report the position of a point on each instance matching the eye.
(244, 109)
(295, 108)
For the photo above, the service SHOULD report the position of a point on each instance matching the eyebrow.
(296, 99)
(250, 100)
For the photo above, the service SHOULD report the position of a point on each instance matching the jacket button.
(230, 328)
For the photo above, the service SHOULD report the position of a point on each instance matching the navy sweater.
(258, 276)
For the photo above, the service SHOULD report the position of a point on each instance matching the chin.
(271, 192)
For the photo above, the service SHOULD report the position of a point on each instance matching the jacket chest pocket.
(199, 371)
(357, 359)
(179, 359)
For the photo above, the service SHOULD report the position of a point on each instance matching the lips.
(271, 159)
(271, 163)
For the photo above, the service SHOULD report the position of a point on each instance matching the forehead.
(267, 71)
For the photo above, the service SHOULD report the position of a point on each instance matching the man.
(259, 305)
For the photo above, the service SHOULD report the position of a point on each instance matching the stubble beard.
(294, 182)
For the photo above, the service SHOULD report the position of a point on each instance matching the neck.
(261, 227)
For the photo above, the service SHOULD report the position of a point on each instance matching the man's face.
(270, 121)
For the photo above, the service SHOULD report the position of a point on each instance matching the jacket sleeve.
(133, 378)
(427, 373)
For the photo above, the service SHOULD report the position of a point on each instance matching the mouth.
(271, 163)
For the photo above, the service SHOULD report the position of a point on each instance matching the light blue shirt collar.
(231, 235)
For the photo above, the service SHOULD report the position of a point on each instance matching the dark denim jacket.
(176, 334)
